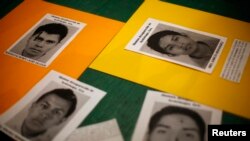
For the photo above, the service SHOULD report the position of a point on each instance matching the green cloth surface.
(120, 10)
(7, 5)
(123, 102)
(237, 9)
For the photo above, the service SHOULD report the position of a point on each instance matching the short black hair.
(53, 28)
(178, 110)
(66, 94)
(154, 40)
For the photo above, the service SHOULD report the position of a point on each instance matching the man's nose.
(179, 44)
(45, 115)
(40, 43)
(174, 137)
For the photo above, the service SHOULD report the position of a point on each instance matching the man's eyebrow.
(162, 125)
(60, 108)
(53, 41)
(38, 37)
(46, 102)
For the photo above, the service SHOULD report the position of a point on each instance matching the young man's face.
(46, 113)
(175, 127)
(39, 44)
(177, 44)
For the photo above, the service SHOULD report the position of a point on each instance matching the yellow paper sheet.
(209, 89)
(18, 76)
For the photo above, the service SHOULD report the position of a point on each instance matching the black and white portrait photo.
(165, 117)
(50, 110)
(181, 45)
(51, 113)
(45, 40)
(177, 123)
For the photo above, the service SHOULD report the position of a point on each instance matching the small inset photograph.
(45, 40)
(188, 47)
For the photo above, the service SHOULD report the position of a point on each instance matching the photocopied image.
(166, 117)
(51, 110)
(45, 40)
(188, 47)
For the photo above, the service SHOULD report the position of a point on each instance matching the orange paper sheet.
(18, 76)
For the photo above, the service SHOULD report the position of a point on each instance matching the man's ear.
(58, 43)
(30, 37)
(31, 106)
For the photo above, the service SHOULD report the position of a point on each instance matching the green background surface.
(120, 10)
(123, 102)
(237, 9)
(7, 5)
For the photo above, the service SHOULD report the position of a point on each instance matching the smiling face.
(39, 44)
(177, 44)
(175, 127)
(44, 114)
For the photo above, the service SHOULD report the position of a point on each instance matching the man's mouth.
(37, 122)
(35, 50)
